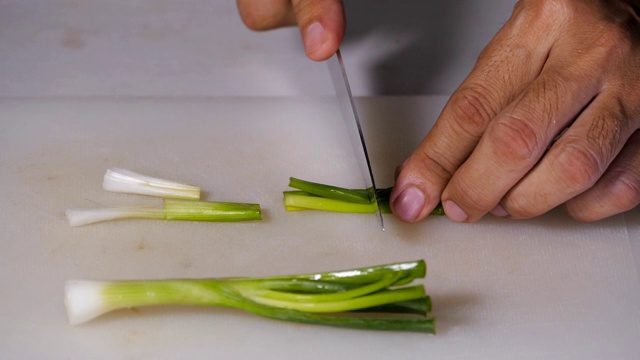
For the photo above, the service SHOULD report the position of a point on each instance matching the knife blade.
(353, 127)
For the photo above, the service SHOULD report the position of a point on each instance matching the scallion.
(315, 196)
(127, 181)
(329, 298)
(171, 209)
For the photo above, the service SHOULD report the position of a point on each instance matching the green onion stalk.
(170, 209)
(315, 196)
(331, 298)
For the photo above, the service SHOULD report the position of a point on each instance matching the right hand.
(321, 22)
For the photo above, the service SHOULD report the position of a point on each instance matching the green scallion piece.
(315, 196)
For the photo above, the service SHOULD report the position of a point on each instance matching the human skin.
(549, 116)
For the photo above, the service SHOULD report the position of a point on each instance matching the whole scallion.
(329, 298)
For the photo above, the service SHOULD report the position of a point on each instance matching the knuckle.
(622, 194)
(515, 140)
(429, 164)
(606, 131)
(468, 193)
(547, 10)
(626, 191)
(471, 109)
(521, 207)
(581, 215)
(577, 167)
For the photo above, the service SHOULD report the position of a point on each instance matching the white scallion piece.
(79, 217)
(127, 181)
(84, 300)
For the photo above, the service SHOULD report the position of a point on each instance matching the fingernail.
(454, 212)
(313, 37)
(409, 204)
(499, 211)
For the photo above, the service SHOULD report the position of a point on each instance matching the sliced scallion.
(315, 196)
(127, 181)
(171, 209)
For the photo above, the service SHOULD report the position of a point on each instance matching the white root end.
(83, 300)
(127, 181)
(79, 217)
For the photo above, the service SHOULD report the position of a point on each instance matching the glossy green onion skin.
(329, 298)
(316, 196)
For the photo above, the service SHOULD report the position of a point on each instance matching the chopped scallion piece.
(190, 210)
(315, 196)
(358, 196)
(323, 298)
(127, 181)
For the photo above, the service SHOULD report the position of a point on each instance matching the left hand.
(549, 116)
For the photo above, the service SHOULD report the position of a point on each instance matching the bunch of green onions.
(315, 196)
(180, 202)
(336, 298)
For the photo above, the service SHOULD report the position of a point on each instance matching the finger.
(262, 15)
(515, 141)
(322, 25)
(502, 71)
(616, 192)
(575, 161)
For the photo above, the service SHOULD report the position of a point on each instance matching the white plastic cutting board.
(548, 288)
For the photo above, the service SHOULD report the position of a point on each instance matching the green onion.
(170, 210)
(330, 298)
(332, 192)
(127, 181)
(315, 196)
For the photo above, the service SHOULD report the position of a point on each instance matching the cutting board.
(537, 289)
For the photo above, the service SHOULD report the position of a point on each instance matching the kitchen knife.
(352, 123)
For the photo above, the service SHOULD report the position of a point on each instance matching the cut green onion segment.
(127, 181)
(171, 209)
(330, 298)
(315, 196)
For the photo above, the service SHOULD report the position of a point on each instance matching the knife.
(354, 129)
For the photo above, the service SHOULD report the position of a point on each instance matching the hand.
(549, 116)
(321, 22)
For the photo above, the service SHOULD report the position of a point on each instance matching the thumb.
(322, 26)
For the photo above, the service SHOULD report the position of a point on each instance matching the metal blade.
(352, 124)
